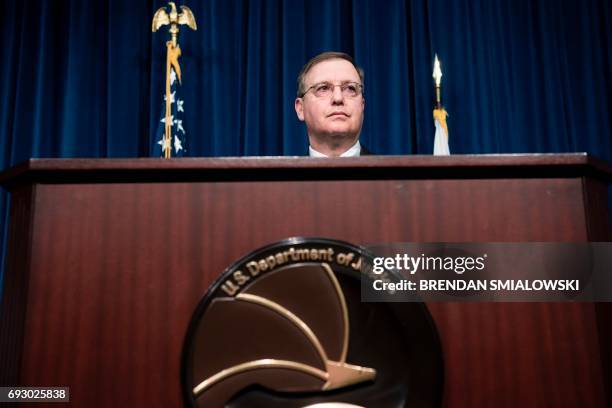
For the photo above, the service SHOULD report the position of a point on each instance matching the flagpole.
(173, 52)
(439, 114)
(168, 117)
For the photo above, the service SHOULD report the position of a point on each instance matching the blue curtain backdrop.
(85, 78)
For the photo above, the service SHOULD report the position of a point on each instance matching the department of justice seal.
(285, 327)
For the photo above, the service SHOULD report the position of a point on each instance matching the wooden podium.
(108, 258)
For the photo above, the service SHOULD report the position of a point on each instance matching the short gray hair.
(329, 55)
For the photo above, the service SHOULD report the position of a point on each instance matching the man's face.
(336, 114)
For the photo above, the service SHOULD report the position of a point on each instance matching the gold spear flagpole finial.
(174, 19)
(437, 76)
(437, 71)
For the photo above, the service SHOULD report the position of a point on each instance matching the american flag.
(178, 142)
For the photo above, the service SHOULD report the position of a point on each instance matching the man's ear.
(299, 108)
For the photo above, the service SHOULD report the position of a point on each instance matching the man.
(330, 101)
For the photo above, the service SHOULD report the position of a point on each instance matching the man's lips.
(336, 114)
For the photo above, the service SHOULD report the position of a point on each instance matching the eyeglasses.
(325, 89)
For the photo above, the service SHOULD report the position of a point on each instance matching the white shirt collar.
(354, 151)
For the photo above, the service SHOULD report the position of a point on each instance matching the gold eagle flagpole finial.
(174, 19)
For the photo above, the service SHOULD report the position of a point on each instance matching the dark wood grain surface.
(115, 269)
(306, 168)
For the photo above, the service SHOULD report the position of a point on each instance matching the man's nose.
(337, 95)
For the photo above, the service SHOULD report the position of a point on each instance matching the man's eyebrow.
(346, 81)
